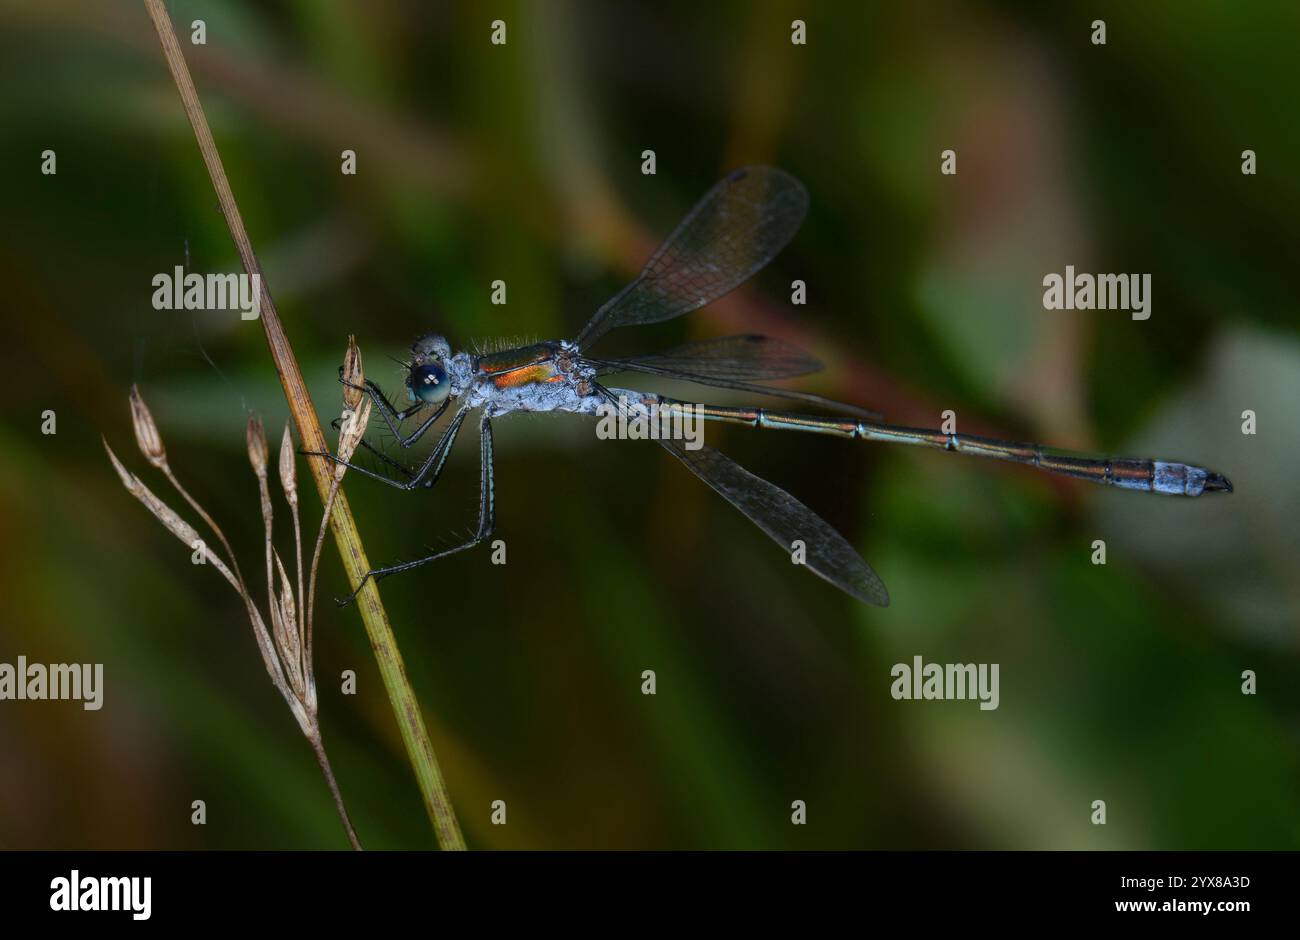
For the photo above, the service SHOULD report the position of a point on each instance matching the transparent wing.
(739, 358)
(785, 519)
(732, 362)
(737, 228)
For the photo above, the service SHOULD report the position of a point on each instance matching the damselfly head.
(427, 379)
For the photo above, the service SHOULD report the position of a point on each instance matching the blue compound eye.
(428, 382)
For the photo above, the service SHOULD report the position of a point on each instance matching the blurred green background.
(522, 162)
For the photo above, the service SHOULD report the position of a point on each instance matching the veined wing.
(785, 519)
(737, 228)
(741, 358)
(732, 362)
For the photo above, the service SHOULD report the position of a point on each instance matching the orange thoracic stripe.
(529, 374)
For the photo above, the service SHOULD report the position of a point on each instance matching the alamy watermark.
(946, 681)
(651, 421)
(83, 682)
(76, 893)
(1098, 292)
(181, 291)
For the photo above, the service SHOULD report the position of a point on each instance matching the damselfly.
(736, 229)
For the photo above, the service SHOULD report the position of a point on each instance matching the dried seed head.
(169, 518)
(288, 470)
(257, 445)
(146, 431)
(288, 637)
(353, 374)
(351, 432)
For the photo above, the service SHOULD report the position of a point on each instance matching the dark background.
(522, 162)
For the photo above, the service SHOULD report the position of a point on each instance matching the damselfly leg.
(486, 510)
(423, 477)
(392, 417)
(397, 465)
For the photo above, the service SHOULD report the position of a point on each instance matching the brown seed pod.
(353, 375)
(146, 431)
(257, 450)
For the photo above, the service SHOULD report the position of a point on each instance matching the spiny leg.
(397, 465)
(392, 417)
(428, 472)
(406, 471)
(486, 516)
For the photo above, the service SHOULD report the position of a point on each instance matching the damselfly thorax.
(547, 376)
(736, 229)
